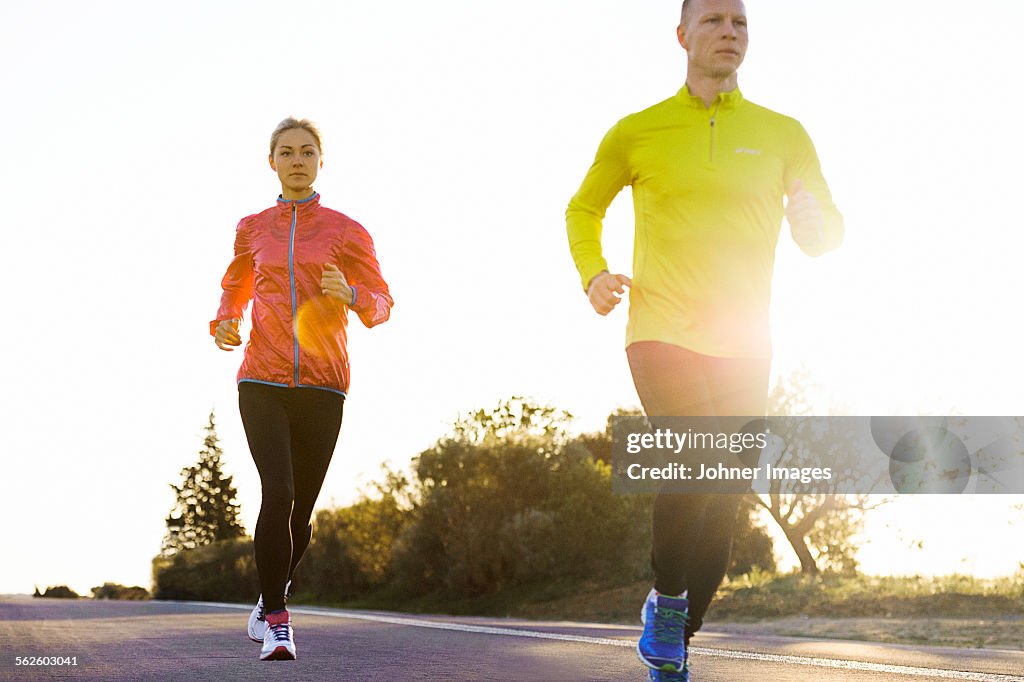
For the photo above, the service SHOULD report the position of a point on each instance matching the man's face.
(715, 36)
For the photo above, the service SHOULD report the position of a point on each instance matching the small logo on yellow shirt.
(747, 150)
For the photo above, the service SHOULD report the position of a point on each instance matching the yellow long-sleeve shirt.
(708, 187)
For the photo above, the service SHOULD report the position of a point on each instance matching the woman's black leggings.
(292, 433)
(693, 532)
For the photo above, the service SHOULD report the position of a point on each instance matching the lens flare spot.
(320, 326)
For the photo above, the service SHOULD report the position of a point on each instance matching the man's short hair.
(683, 12)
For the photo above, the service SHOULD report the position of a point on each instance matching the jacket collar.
(308, 204)
(726, 100)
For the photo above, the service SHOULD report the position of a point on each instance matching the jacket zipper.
(711, 147)
(291, 281)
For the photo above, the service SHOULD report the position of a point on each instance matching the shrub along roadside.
(57, 592)
(117, 591)
(221, 571)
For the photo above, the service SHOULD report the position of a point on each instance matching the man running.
(709, 172)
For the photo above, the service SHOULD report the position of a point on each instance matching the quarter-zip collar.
(723, 100)
(300, 205)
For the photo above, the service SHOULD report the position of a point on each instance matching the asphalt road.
(111, 640)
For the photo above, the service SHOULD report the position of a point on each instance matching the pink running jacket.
(298, 334)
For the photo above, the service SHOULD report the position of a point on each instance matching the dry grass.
(946, 611)
(982, 633)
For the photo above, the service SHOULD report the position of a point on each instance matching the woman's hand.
(334, 284)
(226, 334)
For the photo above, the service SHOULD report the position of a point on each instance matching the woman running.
(304, 266)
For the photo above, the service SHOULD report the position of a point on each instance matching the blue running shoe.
(659, 676)
(661, 646)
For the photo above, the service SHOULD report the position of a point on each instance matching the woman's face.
(296, 159)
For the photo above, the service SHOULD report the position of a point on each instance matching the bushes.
(599, 535)
(221, 571)
(57, 592)
(497, 515)
(351, 549)
(470, 499)
(116, 591)
(105, 591)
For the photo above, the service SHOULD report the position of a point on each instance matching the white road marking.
(832, 663)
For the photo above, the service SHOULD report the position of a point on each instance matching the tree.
(508, 499)
(514, 419)
(205, 509)
(473, 489)
(820, 527)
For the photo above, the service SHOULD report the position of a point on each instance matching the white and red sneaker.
(257, 619)
(258, 622)
(279, 642)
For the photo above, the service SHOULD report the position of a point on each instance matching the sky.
(456, 131)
